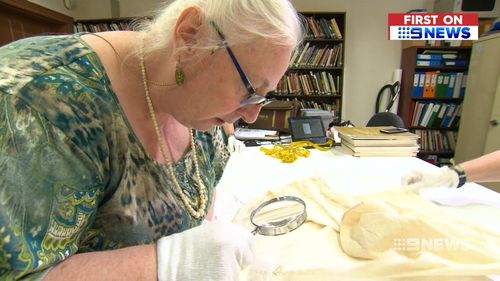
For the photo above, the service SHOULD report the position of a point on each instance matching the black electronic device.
(394, 130)
(251, 143)
(308, 128)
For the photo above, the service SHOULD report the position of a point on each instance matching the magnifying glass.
(278, 216)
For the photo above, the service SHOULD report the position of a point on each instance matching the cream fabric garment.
(393, 235)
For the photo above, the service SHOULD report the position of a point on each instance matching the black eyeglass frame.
(253, 97)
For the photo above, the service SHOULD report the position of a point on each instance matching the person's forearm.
(483, 169)
(131, 263)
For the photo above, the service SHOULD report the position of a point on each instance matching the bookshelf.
(432, 92)
(101, 25)
(20, 19)
(316, 72)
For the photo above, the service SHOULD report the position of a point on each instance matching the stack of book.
(370, 141)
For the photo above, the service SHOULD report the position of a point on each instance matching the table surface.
(251, 173)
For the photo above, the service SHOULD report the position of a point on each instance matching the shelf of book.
(443, 68)
(101, 25)
(440, 153)
(275, 95)
(439, 99)
(316, 72)
(432, 91)
(433, 128)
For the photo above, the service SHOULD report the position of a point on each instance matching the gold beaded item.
(199, 212)
(296, 149)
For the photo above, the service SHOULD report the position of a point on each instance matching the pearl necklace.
(202, 200)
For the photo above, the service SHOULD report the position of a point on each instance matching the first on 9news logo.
(433, 27)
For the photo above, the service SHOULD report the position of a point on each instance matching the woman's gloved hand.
(234, 145)
(417, 179)
(215, 251)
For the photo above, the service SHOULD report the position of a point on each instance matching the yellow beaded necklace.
(296, 149)
(199, 213)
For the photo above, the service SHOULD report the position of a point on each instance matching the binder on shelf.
(451, 85)
(427, 85)
(455, 116)
(464, 86)
(433, 115)
(429, 57)
(433, 63)
(447, 115)
(428, 112)
(458, 63)
(442, 85)
(416, 78)
(432, 89)
(458, 84)
(421, 82)
(454, 56)
(430, 84)
(440, 116)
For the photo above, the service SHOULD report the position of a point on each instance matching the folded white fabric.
(393, 235)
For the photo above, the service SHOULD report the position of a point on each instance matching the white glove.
(234, 145)
(215, 251)
(417, 180)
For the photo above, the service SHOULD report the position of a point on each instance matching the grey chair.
(385, 119)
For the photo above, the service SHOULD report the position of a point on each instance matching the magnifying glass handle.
(255, 231)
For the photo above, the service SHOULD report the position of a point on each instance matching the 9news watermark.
(433, 27)
(429, 244)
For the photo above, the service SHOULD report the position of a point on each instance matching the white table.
(251, 173)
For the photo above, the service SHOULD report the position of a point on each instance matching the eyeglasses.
(253, 98)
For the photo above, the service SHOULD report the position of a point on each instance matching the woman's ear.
(188, 27)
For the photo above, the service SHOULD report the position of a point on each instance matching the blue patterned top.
(73, 175)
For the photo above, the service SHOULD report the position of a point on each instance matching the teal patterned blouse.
(73, 176)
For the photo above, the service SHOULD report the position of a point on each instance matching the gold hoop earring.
(179, 75)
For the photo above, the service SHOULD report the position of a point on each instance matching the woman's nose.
(249, 113)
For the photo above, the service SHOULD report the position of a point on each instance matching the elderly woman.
(110, 143)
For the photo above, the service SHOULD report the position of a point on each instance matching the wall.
(370, 57)
(131, 8)
(84, 9)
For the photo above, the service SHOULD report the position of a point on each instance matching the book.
(381, 151)
(409, 148)
(255, 134)
(371, 136)
(336, 28)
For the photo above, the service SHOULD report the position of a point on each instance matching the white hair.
(241, 21)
